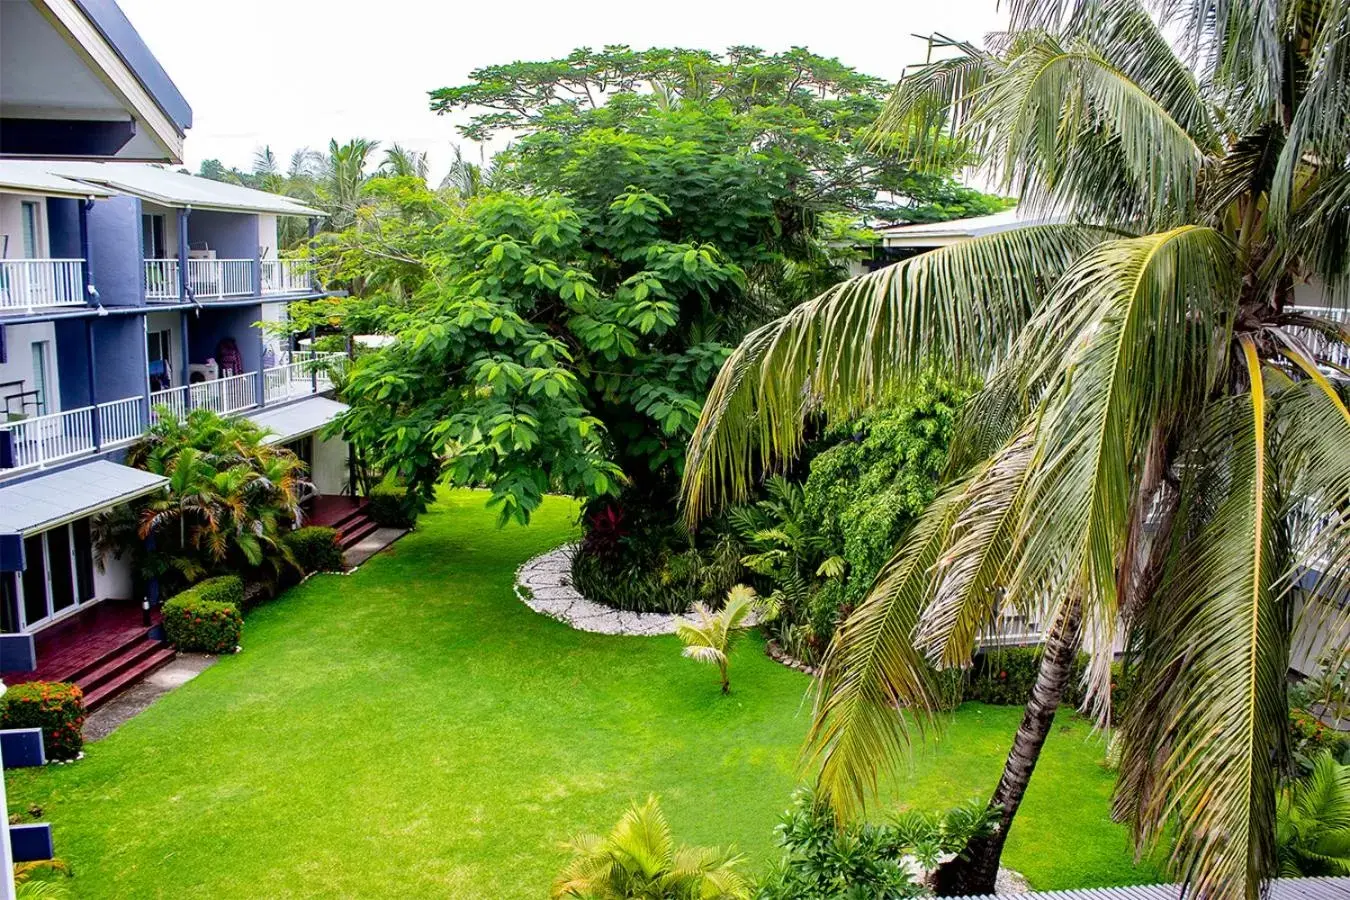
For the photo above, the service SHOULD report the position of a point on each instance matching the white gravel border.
(544, 584)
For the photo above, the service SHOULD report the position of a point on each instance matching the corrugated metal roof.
(298, 419)
(24, 176)
(172, 188)
(40, 503)
(1280, 889)
(934, 233)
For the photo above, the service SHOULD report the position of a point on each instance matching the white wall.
(170, 215)
(274, 312)
(115, 580)
(19, 344)
(267, 237)
(11, 225)
(329, 469)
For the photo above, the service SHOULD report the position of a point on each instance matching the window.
(59, 575)
(29, 218)
(159, 352)
(40, 376)
(152, 236)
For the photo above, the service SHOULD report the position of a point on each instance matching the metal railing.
(173, 398)
(285, 276)
(120, 421)
(225, 395)
(27, 284)
(56, 436)
(161, 279)
(217, 278)
(1317, 343)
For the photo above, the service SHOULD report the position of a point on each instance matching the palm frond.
(862, 340)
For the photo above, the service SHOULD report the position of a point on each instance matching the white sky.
(293, 73)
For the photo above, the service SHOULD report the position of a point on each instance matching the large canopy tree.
(1158, 454)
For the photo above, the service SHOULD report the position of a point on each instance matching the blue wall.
(72, 355)
(119, 359)
(231, 235)
(206, 330)
(63, 228)
(115, 251)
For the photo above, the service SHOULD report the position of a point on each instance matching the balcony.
(27, 285)
(41, 441)
(224, 279)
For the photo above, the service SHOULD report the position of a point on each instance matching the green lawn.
(413, 730)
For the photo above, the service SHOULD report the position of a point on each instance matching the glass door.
(59, 575)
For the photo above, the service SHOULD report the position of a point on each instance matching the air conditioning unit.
(208, 371)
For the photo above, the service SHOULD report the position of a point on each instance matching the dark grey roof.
(1280, 889)
(36, 504)
(118, 31)
(297, 419)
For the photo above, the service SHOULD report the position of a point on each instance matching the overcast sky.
(294, 73)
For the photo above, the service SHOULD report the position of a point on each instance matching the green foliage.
(206, 617)
(1312, 831)
(56, 707)
(823, 859)
(231, 496)
(639, 860)
(390, 505)
(709, 636)
(315, 548)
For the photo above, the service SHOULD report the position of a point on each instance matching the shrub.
(1005, 677)
(56, 707)
(391, 505)
(200, 619)
(315, 548)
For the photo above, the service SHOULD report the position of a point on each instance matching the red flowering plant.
(56, 707)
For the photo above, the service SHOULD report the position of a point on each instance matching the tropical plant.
(230, 498)
(1157, 448)
(29, 888)
(400, 162)
(639, 860)
(1312, 834)
(709, 636)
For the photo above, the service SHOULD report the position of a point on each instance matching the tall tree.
(1158, 450)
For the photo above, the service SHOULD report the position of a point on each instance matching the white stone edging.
(544, 584)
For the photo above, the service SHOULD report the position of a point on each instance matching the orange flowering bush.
(56, 707)
(192, 622)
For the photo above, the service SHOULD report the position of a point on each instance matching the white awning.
(24, 176)
(297, 419)
(38, 504)
(168, 187)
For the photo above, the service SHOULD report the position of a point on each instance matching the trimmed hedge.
(391, 506)
(206, 618)
(57, 707)
(315, 548)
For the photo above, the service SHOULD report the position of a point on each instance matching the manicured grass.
(414, 730)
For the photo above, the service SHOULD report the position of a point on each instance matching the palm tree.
(467, 179)
(710, 636)
(639, 859)
(401, 162)
(1313, 835)
(1157, 452)
(341, 185)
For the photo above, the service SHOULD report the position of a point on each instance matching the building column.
(95, 420)
(183, 261)
(183, 318)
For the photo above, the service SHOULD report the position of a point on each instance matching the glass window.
(29, 216)
(40, 376)
(34, 582)
(84, 560)
(62, 568)
(9, 602)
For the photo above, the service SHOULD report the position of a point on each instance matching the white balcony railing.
(284, 276)
(300, 373)
(27, 284)
(173, 398)
(120, 421)
(161, 279)
(225, 395)
(1316, 342)
(50, 438)
(216, 278)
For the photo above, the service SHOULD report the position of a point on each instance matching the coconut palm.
(401, 162)
(639, 859)
(340, 188)
(1158, 450)
(709, 636)
(1313, 835)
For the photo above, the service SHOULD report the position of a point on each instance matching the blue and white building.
(128, 290)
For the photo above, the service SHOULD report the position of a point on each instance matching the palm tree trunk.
(975, 869)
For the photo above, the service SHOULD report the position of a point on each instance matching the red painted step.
(110, 689)
(113, 664)
(354, 534)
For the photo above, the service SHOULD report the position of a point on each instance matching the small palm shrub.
(315, 548)
(709, 636)
(206, 618)
(56, 707)
(1312, 831)
(639, 859)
